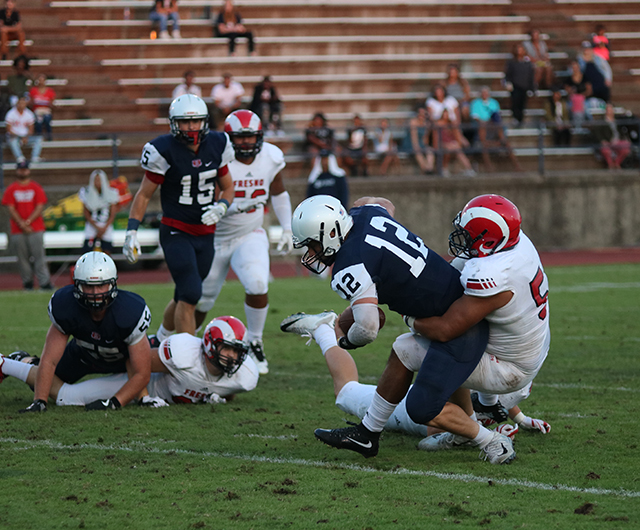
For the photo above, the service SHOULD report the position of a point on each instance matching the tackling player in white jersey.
(186, 370)
(241, 243)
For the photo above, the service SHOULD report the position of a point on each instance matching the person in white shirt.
(188, 87)
(227, 97)
(185, 369)
(20, 122)
(439, 102)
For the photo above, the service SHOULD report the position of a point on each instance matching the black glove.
(107, 404)
(39, 405)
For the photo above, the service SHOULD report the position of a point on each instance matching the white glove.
(285, 245)
(236, 208)
(213, 213)
(131, 247)
(154, 402)
(533, 424)
(214, 399)
(507, 429)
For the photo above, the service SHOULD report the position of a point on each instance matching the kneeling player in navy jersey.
(188, 164)
(108, 326)
(377, 260)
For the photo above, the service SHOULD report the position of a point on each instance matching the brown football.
(345, 320)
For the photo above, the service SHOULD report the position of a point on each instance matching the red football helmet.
(240, 125)
(225, 331)
(486, 225)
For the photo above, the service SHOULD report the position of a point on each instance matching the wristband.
(225, 202)
(133, 224)
(520, 418)
(409, 321)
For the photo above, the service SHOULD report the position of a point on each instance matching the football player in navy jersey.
(188, 164)
(377, 260)
(108, 327)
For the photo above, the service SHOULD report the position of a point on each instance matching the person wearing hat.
(596, 71)
(25, 200)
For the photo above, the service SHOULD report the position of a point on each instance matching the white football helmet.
(225, 331)
(95, 268)
(189, 107)
(243, 124)
(324, 220)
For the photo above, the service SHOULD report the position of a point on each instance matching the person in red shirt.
(42, 97)
(25, 200)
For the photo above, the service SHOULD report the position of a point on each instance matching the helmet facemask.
(461, 244)
(189, 137)
(95, 269)
(225, 363)
(325, 256)
(95, 301)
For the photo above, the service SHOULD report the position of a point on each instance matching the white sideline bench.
(32, 62)
(321, 78)
(326, 39)
(351, 58)
(76, 164)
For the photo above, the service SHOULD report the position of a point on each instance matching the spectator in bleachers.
(229, 25)
(600, 42)
(596, 71)
(188, 87)
(577, 91)
(385, 146)
(227, 97)
(266, 104)
(18, 82)
(416, 140)
(42, 97)
(161, 13)
(355, 150)
(20, 122)
(448, 135)
(439, 101)
(458, 88)
(485, 111)
(319, 136)
(10, 28)
(328, 178)
(536, 50)
(558, 118)
(519, 79)
(613, 147)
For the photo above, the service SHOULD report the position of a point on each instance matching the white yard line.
(459, 477)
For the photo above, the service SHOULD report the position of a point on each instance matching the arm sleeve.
(366, 324)
(282, 208)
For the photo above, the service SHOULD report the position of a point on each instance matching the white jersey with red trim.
(252, 182)
(189, 381)
(519, 331)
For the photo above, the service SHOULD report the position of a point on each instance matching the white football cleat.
(304, 325)
(443, 441)
(499, 450)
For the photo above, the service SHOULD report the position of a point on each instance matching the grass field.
(254, 462)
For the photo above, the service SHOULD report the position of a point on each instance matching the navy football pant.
(189, 261)
(446, 366)
(76, 362)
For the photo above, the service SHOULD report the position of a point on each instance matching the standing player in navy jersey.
(377, 260)
(109, 335)
(188, 164)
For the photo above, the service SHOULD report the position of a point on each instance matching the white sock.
(16, 369)
(487, 400)
(473, 416)
(378, 413)
(90, 390)
(163, 333)
(483, 437)
(325, 336)
(256, 318)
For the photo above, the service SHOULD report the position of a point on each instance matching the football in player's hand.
(345, 320)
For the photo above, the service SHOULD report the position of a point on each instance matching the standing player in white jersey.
(186, 370)
(504, 283)
(241, 243)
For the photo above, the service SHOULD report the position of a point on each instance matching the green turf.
(254, 463)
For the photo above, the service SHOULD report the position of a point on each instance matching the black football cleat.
(357, 438)
(496, 412)
(24, 357)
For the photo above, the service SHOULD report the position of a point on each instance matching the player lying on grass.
(355, 398)
(186, 369)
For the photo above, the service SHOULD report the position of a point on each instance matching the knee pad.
(411, 350)
(422, 406)
(256, 287)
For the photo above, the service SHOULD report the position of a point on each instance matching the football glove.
(285, 245)
(106, 404)
(213, 213)
(214, 399)
(39, 405)
(154, 402)
(533, 424)
(131, 247)
(507, 429)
